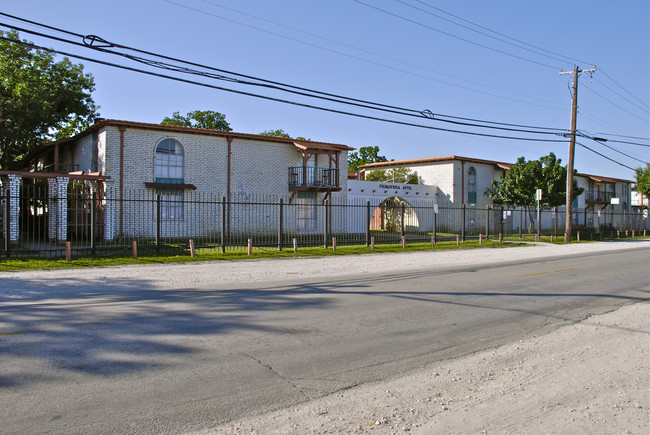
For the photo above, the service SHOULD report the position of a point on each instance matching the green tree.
(395, 175)
(643, 181)
(40, 99)
(280, 133)
(363, 157)
(520, 183)
(206, 119)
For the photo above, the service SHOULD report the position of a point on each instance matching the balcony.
(595, 196)
(313, 179)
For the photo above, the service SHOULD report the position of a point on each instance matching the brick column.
(58, 208)
(13, 220)
(109, 212)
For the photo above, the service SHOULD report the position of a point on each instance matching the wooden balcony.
(598, 197)
(313, 179)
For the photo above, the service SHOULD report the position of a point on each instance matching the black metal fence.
(40, 222)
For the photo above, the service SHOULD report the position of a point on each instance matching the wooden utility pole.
(572, 147)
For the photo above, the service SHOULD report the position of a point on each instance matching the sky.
(497, 61)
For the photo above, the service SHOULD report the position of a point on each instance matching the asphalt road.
(124, 358)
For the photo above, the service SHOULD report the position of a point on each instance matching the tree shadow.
(102, 327)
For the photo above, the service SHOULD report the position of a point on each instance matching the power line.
(600, 141)
(477, 31)
(621, 86)
(99, 44)
(454, 36)
(621, 96)
(381, 55)
(622, 135)
(392, 68)
(604, 156)
(614, 104)
(569, 59)
(265, 97)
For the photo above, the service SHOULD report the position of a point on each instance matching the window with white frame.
(471, 185)
(169, 161)
(168, 164)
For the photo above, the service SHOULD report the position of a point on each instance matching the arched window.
(471, 185)
(169, 162)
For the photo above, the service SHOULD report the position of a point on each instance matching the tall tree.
(396, 175)
(206, 119)
(364, 156)
(40, 99)
(643, 181)
(520, 183)
(280, 133)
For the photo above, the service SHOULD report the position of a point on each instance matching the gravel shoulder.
(590, 377)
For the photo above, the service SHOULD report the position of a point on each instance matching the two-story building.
(462, 181)
(139, 161)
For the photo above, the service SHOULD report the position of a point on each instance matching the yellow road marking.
(11, 333)
(545, 273)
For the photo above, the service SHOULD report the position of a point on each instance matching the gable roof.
(188, 130)
(502, 165)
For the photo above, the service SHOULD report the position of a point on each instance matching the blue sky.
(401, 55)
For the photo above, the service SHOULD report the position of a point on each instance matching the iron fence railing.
(39, 221)
(598, 196)
(311, 176)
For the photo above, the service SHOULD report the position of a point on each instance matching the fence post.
(403, 224)
(435, 223)
(521, 222)
(92, 223)
(158, 222)
(280, 224)
(334, 244)
(462, 225)
(223, 225)
(368, 218)
(487, 222)
(325, 232)
(555, 226)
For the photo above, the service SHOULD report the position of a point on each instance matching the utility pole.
(572, 147)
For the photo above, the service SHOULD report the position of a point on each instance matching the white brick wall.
(258, 168)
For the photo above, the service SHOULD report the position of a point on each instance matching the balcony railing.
(313, 178)
(598, 196)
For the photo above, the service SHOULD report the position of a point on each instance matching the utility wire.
(392, 68)
(645, 109)
(454, 36)
(595, 139)
(265, 97)
(604, 156)
(621, 135)
(478, 31)
(100, 44)
(407, 112)
(568, 59)
(614, 104)
(382, 55)
(621, 86)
